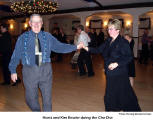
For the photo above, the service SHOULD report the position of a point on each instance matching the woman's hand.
(112, 66)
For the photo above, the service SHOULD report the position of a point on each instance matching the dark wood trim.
(123, 6)
(110, 7)
(135, 37)
(98, 3)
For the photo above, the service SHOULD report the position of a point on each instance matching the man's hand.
(14, 77)
(112, 66)
(80, 45)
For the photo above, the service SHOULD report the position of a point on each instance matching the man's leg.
(45, 85)
(81, 64)
(30, 79)
(89, 65)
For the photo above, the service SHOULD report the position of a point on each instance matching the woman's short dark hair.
(80, 27)
(127, 33)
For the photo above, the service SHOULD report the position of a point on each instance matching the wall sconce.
(105, 23)
(128, 23)
(11, 26)
(25, 25)
(87, 23)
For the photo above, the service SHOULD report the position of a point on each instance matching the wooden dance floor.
(71, 92)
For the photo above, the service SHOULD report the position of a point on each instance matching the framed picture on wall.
(144, 23)
(95, 24)
(75, 23)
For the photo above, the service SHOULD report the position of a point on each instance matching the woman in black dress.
(131, 65)
(119, 95)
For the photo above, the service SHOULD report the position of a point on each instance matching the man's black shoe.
(91, 74)
(14, 84)
(18, 80)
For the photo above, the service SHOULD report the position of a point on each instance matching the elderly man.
(33, 48)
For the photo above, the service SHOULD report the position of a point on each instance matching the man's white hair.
(35, 15)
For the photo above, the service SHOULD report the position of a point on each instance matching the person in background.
(5, 51)
(131, 65)
(62, 38)
(62, 35)
(84, 56)
(119, 95)
(76, 54)
(57, 35)
(76, 36)
(33, 49)
(93, 37)
(145, 51)
(100, 38)
(55, 26)
(151, 49)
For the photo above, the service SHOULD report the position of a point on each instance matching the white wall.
(65, 23)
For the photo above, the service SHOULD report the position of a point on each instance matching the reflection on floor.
(74, 93)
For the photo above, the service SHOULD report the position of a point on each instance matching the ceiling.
(66, 6)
